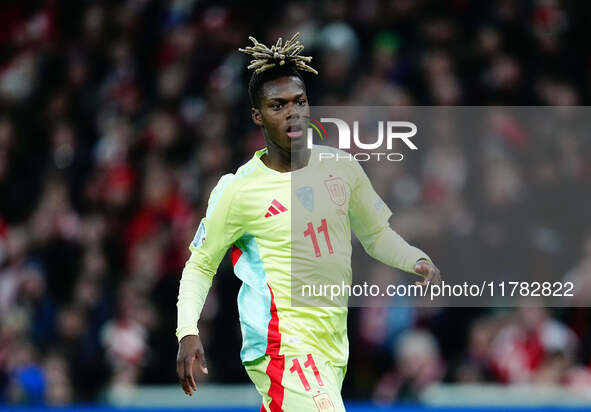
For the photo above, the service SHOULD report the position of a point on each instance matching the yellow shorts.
(305, 383)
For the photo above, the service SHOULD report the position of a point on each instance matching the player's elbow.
(370, 242)
(197, 269)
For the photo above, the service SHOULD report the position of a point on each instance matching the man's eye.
(302, 102)
(276, 106)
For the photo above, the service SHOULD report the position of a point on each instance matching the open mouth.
(295, 131)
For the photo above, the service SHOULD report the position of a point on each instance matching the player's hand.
(190, 348)
(429, 271)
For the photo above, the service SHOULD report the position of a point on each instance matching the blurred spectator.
(533, 347)
(26, 380)
(59, 386)
(474, 365)
(418, 364)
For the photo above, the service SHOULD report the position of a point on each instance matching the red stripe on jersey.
(268, 214)
(273, 210)
(278, 205)
(273, 335)
(275, 370)
(276, 365)
(236, 253)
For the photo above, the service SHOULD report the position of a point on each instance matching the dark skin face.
(283, 113)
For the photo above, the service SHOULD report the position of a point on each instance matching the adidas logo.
(275, 208)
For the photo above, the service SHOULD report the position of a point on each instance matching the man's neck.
(285, 160)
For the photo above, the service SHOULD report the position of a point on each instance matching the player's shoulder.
(233, 182)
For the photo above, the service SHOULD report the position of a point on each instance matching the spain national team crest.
(336, 190)
(323, 403)
(306, 197)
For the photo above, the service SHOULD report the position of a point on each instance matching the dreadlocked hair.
(280, 60)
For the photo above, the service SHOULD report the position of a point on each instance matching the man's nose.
(293, 112)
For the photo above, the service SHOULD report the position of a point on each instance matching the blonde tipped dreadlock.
(266, 58)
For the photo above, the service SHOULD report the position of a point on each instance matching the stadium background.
(118, 117)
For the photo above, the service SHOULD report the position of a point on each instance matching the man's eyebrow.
(281, 99)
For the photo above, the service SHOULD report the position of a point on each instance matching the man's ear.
(257, 117)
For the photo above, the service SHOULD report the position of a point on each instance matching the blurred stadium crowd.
(118, 117)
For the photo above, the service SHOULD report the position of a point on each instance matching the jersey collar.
(259, 162)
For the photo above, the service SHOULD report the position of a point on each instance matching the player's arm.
(369, 217)
(217, 231)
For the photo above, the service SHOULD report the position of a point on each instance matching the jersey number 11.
(323, 228)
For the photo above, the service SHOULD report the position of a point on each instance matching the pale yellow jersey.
(287, 229)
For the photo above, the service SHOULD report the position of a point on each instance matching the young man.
(295, 355)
